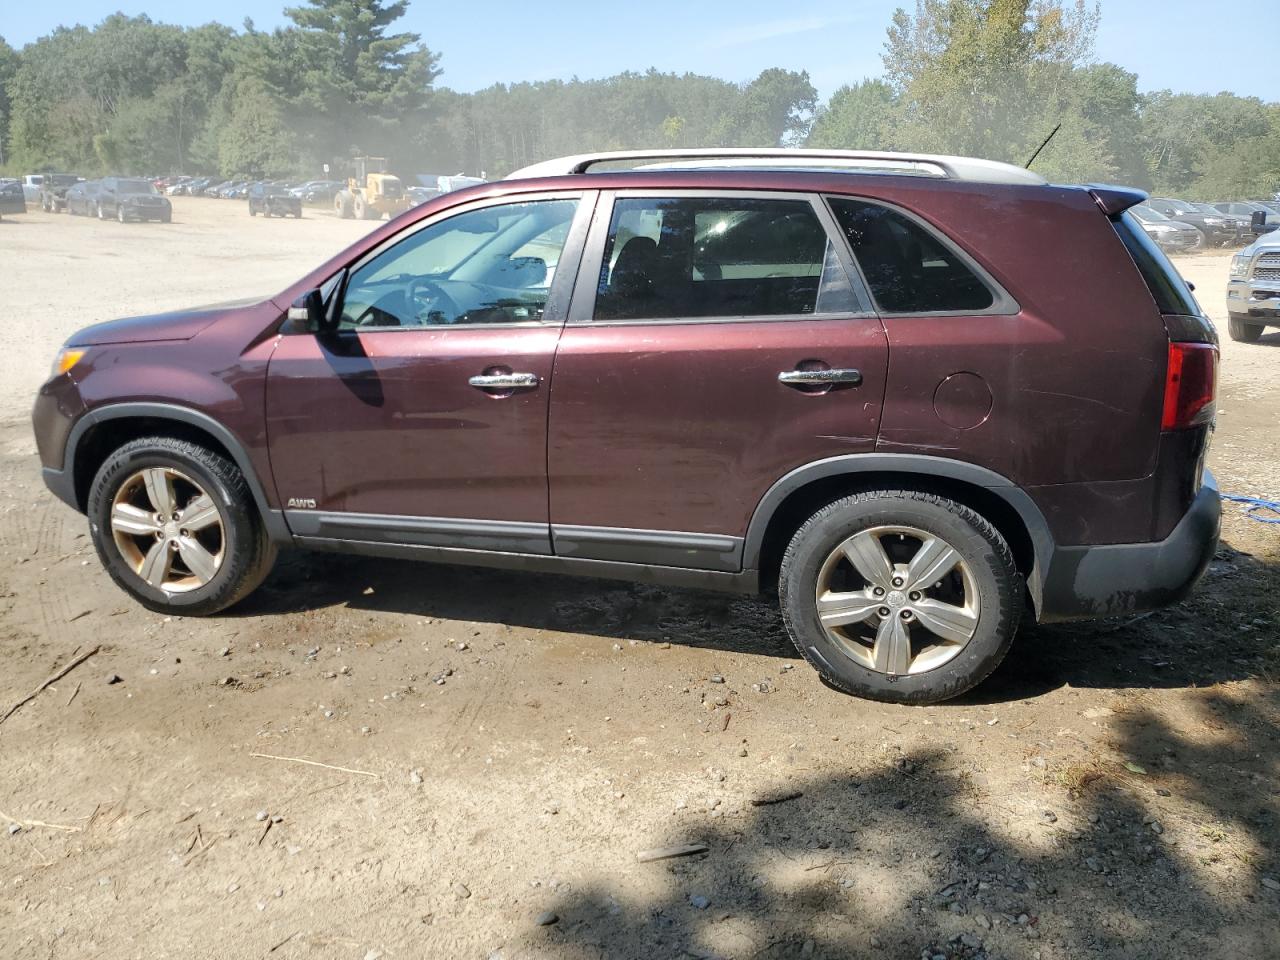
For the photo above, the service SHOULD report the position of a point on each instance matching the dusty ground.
(1113, 791)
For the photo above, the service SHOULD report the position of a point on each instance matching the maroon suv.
(915, 394)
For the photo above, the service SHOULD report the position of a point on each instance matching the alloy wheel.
(168, 529)
(898, 600)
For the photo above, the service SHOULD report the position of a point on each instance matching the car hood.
(175, 325)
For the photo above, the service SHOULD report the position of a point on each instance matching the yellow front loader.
(372, 193)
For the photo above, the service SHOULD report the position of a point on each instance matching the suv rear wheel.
(177, 528)
(900, 596)
(1238, 328)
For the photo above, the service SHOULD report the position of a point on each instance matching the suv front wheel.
(900, 596)
(177, 528)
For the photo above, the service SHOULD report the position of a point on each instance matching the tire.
(101, 213)
(166, 218)
(342, 205)
(120, 214)
(984, 585)
(359, 208)
(1240, 329)
(252, 210)
(246, 554)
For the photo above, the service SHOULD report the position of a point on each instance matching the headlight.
(1239, 266)
(1216, 221)
(67, 358)
(1162, 228)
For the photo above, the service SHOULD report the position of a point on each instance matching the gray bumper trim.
(1086, 583)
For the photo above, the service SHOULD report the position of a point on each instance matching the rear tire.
(342, 204)
(976, 602)
(359, 208)
(1240, 329)
(239, 551)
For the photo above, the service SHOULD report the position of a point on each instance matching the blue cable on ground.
(1254, 505)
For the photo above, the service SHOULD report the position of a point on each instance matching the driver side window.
(491, 265)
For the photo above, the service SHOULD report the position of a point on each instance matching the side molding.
(273, 520)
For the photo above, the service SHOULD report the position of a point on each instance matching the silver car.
(1253, 289)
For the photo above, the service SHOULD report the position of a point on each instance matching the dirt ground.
(1113, 791)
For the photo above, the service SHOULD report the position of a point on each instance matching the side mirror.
(306, 315)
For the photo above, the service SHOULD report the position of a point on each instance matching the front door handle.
(820, 378)
(505, 381)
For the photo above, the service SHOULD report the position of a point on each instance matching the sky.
(1197, 46)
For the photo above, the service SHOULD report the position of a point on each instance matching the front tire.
(177, 528)
(120, 214)
(1240, 329)
(900, 596)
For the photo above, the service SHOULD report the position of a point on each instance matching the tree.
(8, 67)
(863, 116)
(255, 142)
(988, 78)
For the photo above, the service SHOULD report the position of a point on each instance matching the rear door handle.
(505, 381)
(820, 378)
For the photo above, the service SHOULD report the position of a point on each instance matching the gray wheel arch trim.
(273, 520)
(920, 465)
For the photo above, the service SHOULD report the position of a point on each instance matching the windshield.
(135, 186)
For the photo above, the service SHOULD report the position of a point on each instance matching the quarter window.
(690, 258)
(491, 265)
(908, 269)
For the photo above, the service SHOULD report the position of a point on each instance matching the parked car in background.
(11, 198)
(53, 191)
(215, 189)
(420, 195)
(1219, 229)
(82, 198)
(273, 201)
(1172, 236)
(1270, 220)
(129, 198)
(31, 187)
(859, 388)
(319, 191)
(1253, 289)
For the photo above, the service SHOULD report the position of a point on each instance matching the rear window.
(1168, 289)
(908, 269)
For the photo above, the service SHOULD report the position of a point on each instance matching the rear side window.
(1167, 288)
(690, 258)
(908, 269)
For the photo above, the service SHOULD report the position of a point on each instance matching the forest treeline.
(987, 78)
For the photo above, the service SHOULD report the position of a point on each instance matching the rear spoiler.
(1114, 201)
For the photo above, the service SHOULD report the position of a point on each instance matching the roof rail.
(860, 161)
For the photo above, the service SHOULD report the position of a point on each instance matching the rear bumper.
(1085, 583)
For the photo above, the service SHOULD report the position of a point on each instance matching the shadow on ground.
(913, 859)
(1210, 638)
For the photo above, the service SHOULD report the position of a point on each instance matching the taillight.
(1190, 385)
